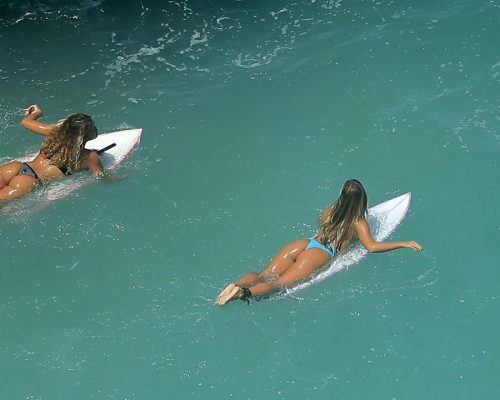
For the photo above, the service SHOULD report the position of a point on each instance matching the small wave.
(244, 40)
(251, 61)
(16, 12)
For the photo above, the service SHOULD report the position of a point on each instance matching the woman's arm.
(94, 163)
(95, 167)
(30, 121)
(366, 239)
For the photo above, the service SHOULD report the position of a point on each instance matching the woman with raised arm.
(62, 153)
(339, 225)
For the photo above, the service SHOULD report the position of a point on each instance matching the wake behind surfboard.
(383, 219)
(118, 146)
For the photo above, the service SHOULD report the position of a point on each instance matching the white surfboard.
(383, 219)
(121, 145)
(125, 141)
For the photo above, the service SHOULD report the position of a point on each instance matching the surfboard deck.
(383, 219)
(125, 141)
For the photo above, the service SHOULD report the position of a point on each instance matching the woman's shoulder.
(360, 224)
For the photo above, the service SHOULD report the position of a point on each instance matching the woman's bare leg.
(249, 279)
(229, 291)
(283, 260)
(306, 264)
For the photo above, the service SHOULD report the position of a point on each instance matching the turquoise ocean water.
(254, 114)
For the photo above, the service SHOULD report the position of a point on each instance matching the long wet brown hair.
(336, 222)
(64, 145)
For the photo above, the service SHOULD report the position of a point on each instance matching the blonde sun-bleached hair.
(337, 221)
(64, 145)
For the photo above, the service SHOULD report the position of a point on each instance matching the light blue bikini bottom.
(315, 244)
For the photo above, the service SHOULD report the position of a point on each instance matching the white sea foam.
(197, 38)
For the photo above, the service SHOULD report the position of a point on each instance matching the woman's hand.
(33, 110)
(31, 114)
(413, 245)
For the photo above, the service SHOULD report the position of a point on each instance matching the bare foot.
(231, 292)
(224, 292)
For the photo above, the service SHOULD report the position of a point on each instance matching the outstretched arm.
(30, 121)
(366, 239)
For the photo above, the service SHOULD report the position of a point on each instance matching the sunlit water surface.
(254, 114)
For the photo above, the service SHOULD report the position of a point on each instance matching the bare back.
(48, 172)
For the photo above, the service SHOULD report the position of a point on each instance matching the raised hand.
(33, 110)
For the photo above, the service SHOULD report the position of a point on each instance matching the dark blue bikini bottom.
(27, 170)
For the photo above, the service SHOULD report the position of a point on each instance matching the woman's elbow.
(371, 248)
